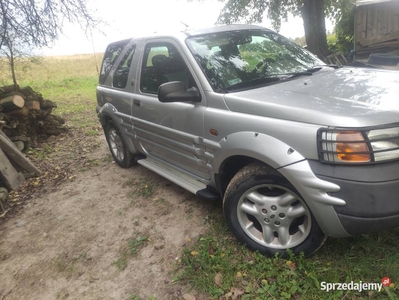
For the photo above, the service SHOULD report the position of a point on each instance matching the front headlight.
(384, 143)
(358, 146)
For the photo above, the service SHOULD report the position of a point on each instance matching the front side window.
(245, 58)
(111, 54)
(122, 72)
(163, 63)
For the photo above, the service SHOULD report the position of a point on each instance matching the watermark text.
(351, 286)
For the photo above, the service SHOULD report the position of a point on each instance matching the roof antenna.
(94, 50)
(184, 24)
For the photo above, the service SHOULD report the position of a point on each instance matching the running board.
(194, 186)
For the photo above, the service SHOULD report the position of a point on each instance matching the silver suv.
(298, 150)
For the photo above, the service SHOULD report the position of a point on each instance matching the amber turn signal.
(352, 147)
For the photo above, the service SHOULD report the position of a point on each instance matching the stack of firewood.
(26, 117)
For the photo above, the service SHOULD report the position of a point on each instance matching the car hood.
(349, 97)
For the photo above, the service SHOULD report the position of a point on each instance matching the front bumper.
(371, 193)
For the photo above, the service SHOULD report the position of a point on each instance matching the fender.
(284, 158)
(107, 110)
(123, 122)
(259, 146)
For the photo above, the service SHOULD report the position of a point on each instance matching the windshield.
(248, 58)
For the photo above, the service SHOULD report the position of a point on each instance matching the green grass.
(129, 249)
(141, 187)
(67, 265)
(217, 265)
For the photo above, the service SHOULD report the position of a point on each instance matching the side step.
(194, 186)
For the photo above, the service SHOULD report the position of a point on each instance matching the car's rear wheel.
(121, 154)
(265, 212)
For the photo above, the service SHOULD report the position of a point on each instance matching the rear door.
(171, 132)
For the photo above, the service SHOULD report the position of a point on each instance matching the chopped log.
(20, 145)
(10, 177)
(8, 89)
(33, 104)
(11, 103)
(29, 93)
(3, 198)
(24, 111)
(48, 104)
(22, 142)
(16, 156)
(19, 138)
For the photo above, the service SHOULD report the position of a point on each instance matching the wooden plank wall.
(376, 23)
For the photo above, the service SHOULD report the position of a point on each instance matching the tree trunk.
(315, 27)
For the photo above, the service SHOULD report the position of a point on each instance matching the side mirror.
(175, 91)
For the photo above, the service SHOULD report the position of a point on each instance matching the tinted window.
(122, 72)
(163, 63)
(111, 54)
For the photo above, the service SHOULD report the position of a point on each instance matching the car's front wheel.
(265, 212)
(121, 154)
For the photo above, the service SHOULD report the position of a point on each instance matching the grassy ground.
(215, 265)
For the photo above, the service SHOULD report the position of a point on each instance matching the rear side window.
(110, 56)
(122, 72)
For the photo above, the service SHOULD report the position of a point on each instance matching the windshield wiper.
(319, 67)
(314, 69)
(291, 74)
(294, 74)
(308, 72)
(255, 81)
(266, 78)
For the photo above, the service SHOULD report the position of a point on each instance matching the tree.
(345, 30)
(25, 24)
(313, 13)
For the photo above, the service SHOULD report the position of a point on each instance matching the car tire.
(265, 212)
(121, 154)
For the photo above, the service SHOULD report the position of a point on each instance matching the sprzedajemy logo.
(355, 286)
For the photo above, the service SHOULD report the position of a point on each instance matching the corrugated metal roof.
(367, 2)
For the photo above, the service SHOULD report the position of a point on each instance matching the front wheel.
(121, 154)
(264, 211)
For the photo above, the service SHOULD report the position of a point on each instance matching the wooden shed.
(376, 27)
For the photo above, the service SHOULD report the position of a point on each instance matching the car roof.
(188, 32)
(222, 28)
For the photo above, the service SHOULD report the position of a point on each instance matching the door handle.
(136, 102)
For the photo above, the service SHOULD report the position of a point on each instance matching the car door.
(171, 132)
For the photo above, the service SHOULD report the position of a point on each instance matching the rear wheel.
(121, 154)
(264, 211)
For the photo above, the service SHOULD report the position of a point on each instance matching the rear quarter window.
(122, 72)
(110, 56)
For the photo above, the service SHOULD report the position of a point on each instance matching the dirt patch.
(87, 229)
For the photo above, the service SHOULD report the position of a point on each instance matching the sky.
(127, 19)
